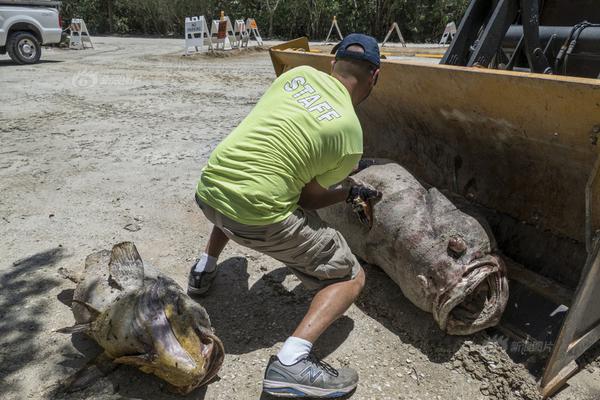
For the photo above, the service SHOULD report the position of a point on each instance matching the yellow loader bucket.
(522, 146)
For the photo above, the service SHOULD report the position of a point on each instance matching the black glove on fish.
(364, 192)
(360, 198)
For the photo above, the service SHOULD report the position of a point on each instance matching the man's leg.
(204, 271)
(328, 305)
(216, 242)
(321, 258)
(294, 372)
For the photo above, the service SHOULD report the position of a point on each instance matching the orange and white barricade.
(252, 28)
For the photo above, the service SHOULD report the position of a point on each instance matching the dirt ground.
(105, 145)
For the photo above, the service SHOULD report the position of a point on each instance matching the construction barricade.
(449, 33)
(79, 35)
(241, 34)
(197, 34)
(252, 28)
(222, 33)
(334, 24)
(393, 28)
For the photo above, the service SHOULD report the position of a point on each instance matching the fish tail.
(77, 328)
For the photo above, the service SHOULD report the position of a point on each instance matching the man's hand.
(315, 196)
(364, 192)
(362, 198)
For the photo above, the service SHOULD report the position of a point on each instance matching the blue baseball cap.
(368, 43)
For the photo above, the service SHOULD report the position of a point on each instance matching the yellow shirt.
(304, 127)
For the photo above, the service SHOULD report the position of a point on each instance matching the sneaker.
(309, 377)
(199, 282)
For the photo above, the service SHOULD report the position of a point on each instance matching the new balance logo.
(313, 374)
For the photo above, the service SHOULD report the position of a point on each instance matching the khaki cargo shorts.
(317, 254)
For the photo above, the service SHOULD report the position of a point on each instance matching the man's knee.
(359, 280)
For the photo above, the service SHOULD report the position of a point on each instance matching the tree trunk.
(110, 16)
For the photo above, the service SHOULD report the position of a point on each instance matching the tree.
(271, 8)
(419, 20)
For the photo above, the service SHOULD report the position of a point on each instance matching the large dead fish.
(142, 318)
(443, 259)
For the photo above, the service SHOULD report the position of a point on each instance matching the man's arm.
(315, 196)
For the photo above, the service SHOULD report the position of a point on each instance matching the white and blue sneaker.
(309, 377)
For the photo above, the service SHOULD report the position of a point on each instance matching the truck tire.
(23, 47)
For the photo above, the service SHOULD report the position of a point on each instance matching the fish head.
(474, 294)
(183, 349)
(470, 287)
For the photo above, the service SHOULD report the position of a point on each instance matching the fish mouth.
(476, 301)
(214, 352)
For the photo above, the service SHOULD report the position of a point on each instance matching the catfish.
(144, 319)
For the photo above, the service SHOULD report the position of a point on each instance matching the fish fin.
(97, 260)
(91, 309)
(77, 328)
(126, 267)
(93, 370)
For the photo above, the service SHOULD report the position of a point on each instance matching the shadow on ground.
(23, 299)
(11, 63)
(383, 301)
(245, 318)
(265, 396)
(250, 318)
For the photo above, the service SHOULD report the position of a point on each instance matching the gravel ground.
(101, 146)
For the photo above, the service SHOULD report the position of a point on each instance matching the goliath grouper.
(142, 318)
(443, 259)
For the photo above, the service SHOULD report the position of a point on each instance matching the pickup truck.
(27, 25)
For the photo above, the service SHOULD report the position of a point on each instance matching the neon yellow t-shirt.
(304, 127)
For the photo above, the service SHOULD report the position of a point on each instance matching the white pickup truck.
(27, 25)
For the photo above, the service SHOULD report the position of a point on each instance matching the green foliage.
(419, 20)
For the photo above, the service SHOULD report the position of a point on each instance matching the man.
(262, 184)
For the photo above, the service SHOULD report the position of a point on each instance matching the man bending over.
(260, 189)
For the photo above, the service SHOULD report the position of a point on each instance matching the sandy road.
(94, 141)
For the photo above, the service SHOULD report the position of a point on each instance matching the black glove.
(363, 192)
(360, 197)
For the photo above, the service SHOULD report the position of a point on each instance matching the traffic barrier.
(335, 25)
(449, 33)
(197, 34)
(393, 28)
(79, 35)
(222, 33)
(241, 34)
(252, 29)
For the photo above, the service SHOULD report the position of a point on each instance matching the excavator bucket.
(521, 147)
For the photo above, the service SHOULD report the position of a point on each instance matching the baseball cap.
(368, 43)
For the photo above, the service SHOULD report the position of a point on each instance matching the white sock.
(206, 263)
(294, 349)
